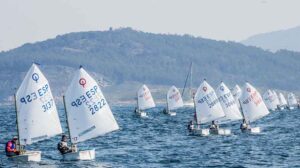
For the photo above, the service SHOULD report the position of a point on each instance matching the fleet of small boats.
(88, 114)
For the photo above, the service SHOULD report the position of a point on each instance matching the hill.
(124, 56)
(284, 39)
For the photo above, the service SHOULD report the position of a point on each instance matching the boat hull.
(172, 113)
(28, 156)
(220, 131)
(291, 107)
(80, 155)
(254, 130)
(200, 132)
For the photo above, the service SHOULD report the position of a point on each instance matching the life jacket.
(10, 146)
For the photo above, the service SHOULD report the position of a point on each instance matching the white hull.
(28, 156)
(220, 131)
(200, 132)
(171, 113)
(189, 104)
(291, 107)
(254, 130)
(141, 113)
(80, 155)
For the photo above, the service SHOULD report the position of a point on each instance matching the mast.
(67, 120)
(242, 111)
(137, 101)
(18, 132)
(186, 79)
(167, 110)
(191, 80)
(195, 114)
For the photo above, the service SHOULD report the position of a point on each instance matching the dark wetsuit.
(63, 147)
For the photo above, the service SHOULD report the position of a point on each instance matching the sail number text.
(35, 95)
(90, 100)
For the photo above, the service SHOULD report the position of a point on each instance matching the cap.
(15, 137)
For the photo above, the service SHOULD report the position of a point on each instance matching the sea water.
(163, 141)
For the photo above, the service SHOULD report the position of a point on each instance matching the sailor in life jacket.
(62, 146)
(191, 126)
(11, 147)
(244, 126)
(214, 126)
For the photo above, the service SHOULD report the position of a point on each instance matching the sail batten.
(88, 112)
(36, 110)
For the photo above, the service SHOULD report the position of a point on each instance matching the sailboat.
(236, 93)
(229, 106)
(208, 109)
(282, 101)
(174, 101)
(37, 117)
(292, 101)
(253, 106)
(88, 114)
(190, 101)
(270, 100)
(276, 98)
(144, 101)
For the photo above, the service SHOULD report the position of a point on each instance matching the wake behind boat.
(37, 117)
(88, 114)
(144, 101)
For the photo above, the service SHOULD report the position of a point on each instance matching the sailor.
(244, 126)
(191, 126)
(214, 126)
(62, 146)
(11, 147)
(165, 111)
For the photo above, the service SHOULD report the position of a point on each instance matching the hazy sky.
(25, 21)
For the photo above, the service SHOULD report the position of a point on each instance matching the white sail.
(88, 112)
(282, 100)
(236, 93)
(208, 107)
(292, 101)
(270, 100)
(252, 104)
(230, 108)
(145, 99)
(37, 114)
(174, 98)
(277, 102)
